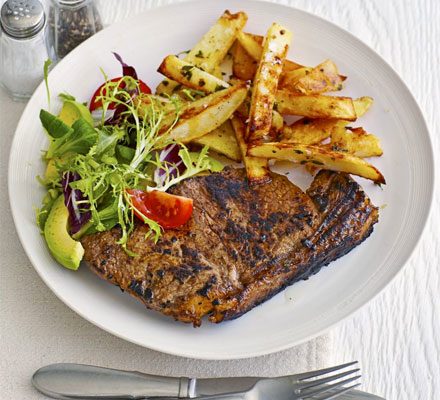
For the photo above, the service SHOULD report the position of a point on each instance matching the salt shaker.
(23, 46)
(72, 22)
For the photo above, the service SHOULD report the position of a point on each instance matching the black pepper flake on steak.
(148, 294)
(241, 246)
(189, 252)
(182, 272)
(321, 202)
(160, 273)
(207, 287)
(258, 252)
(307, 243)
(136, 287)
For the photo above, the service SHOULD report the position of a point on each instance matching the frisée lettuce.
(93, 166)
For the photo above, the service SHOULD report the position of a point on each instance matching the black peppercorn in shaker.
(72, 22)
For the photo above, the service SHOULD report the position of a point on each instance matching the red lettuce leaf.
(79, 213)
(170, 155)
(127, 70)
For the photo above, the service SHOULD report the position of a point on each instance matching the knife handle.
(73, 381)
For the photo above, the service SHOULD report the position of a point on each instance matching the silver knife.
(76, 381)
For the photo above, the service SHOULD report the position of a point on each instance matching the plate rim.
(274, 348)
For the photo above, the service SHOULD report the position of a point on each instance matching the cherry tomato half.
(95, 104)
(168, 210)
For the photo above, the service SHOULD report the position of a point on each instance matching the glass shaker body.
(72, 22)
(22, 61)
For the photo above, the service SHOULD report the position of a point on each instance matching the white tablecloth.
(396, 337)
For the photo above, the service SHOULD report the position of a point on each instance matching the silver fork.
(323, 384)
(73, 381)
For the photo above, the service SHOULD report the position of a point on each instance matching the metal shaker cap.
(70, 2)
(22, 18)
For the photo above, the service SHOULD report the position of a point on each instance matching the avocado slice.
(65, 250)
(72, 111)
(52, 174)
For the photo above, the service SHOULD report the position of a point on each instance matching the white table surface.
(396, 337)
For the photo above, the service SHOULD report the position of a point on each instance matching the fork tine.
(326, 388)
(335, 395)
(312, 374)
(317, 382)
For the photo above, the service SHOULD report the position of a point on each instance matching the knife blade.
(212, 386)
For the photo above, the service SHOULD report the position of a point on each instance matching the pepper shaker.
(72, 22)
(23, 46)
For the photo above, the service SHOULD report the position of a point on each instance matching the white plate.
(303, 310)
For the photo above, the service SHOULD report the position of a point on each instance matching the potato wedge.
(357, 142)
(215, 44)
(266, 79)
(209, 52)
(206, 114)
(217, 72)
(311, 131)
(190, 76)
(222, 140)
(253, 45)
(362, 105)
(290, 79)
(323, 78)
(277, 124)
(244, 66)
(319, 157)
(243, 112)
(315, 106)
(257, 169)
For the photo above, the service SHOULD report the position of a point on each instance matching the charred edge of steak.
(348, 218)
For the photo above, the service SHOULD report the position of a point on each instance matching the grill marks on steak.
(242, 245)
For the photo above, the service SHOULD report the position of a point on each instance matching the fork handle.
(73, 381)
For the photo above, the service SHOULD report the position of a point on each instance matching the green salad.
(111, 163)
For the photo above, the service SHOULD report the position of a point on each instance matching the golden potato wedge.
(209, 52)
(190, 76)
(311, 131)
(243, 112)
(266, 79)
(206, 114)
(355, 141)
(277, 124)
(319, 157)
(215, 44)
(362, 105)
(217, 72)
(323, 78)
(315, 105)
(244, 66)
(257, 169)
(253, 45)
(289, 79)
(222, 140)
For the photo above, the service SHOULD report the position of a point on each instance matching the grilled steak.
(242, 245)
